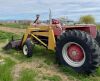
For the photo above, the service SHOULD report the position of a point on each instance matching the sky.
(27, 9)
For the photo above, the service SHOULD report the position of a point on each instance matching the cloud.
(26, 9)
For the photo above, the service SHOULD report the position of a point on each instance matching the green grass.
(52, 78)
(5, 70)
(32, 75)
(28, 75)
(15, 25)
(6, 35)
(48, 59)
(72, 75)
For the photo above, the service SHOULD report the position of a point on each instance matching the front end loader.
(75, 46)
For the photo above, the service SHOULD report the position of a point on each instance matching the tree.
(87, 19)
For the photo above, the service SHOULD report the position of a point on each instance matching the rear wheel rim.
(25, 50)
(73, 54)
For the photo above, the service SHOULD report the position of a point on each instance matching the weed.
(28, 75)
(5, 70)
(52, 78)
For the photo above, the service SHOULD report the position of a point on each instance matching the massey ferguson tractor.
(76, 46)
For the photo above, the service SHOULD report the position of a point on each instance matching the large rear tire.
(98, 41)
(78, 50)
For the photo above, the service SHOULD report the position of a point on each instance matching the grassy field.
(8, 36)
(15, 25)
(24, 26)
(40, 67)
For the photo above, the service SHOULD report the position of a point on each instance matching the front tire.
(28, 48)
(78, 50)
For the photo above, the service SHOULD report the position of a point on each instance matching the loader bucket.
(13, 44)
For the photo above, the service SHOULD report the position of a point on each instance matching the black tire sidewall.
(86, 50)
(30, 48)
(86, 43)
(98, 37)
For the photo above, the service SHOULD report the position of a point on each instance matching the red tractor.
(76, 46)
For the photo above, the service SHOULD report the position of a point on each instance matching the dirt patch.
(12, 30)
(36, 65)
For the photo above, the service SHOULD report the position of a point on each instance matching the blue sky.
(27, 9)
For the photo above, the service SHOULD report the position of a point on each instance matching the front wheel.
(28, 48)
(78, 50)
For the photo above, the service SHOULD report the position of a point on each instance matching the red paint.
(55, 21)
(75, 53)
(90, 29)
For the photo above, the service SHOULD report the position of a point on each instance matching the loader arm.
(43, 31)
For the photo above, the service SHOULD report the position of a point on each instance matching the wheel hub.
(75, 53)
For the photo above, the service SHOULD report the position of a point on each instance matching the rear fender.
(89, 29)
